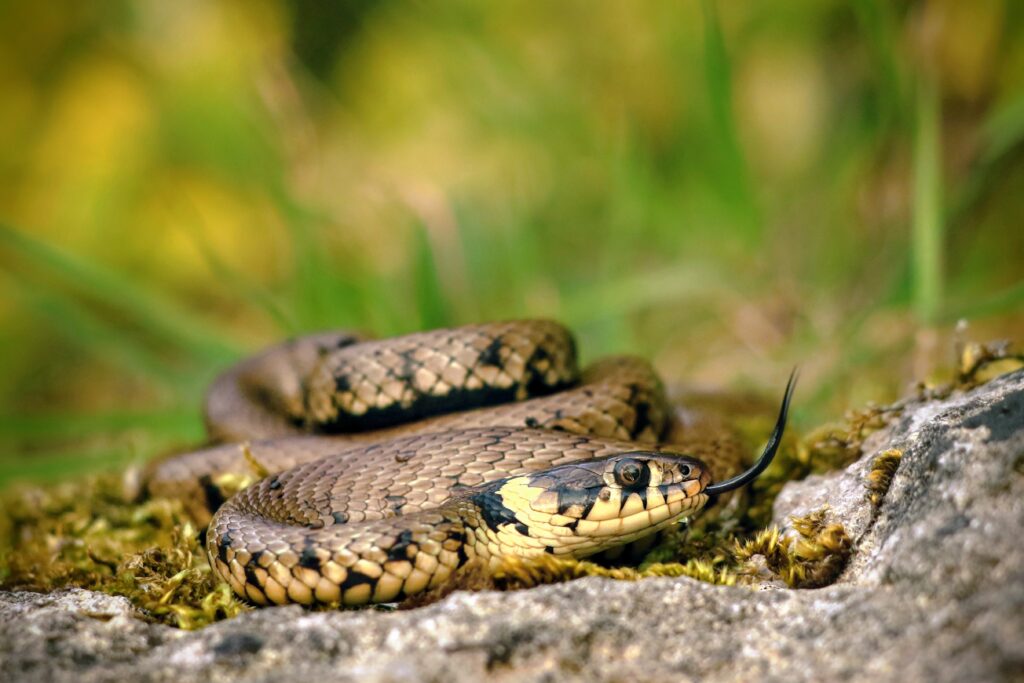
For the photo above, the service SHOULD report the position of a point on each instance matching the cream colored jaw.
(615, 517)
(611, 515)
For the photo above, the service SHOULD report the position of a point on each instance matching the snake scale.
(380, 468)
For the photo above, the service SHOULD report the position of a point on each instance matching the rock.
(934, 591)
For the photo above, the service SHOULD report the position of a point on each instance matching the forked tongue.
(769, 450)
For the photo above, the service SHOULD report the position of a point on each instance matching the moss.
(982, 362)
(879, 478)
(814, 557)
(87, 534)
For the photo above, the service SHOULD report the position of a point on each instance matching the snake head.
(584, 508)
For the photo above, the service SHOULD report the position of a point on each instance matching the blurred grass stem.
(926, 253)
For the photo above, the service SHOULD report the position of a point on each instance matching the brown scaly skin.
(349, 531)
(618, 397)
(371, 516)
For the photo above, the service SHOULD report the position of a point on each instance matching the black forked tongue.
(769, 450)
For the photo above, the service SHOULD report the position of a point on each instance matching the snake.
(381, 468)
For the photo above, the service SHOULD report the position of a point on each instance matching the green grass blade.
(97, 336)
(926, 250)
(732, 175)
(878, 24)
(237, 283)
(146, 308)
(174, 423)
(431, 305)
(1003, 130)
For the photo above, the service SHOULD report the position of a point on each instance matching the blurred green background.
(728, 188)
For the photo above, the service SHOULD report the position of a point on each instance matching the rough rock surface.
(934, 591)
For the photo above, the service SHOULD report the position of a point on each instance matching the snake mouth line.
(770, 449)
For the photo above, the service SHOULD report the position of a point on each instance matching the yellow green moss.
(87, 534)
(982, 362)
(814, 557)
(879, 478)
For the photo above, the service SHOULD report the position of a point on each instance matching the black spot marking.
(492, 354)
(250, 575)
(459, 536)
(400, 550)
(578, 487)
(275, 483)
(214, 496)
(223, 546)
(536, 385)
(309, 560)
(339, 517)
(395, 503)
(409, 365)
(493, 509)
(643, 417)
(569, 497)
(550, 549)
(522, 528)
(342, 384)
(344, 341)
(626, 494)
(354, 579)
(531, 422)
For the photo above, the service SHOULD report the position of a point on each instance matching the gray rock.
(934, 591)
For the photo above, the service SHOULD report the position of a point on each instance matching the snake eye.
(628, 471)
(684, 471)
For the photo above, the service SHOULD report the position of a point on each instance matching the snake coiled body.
(388, 465)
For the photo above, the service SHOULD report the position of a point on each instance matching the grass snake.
(385, 466)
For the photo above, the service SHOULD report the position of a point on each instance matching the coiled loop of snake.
(383, 509)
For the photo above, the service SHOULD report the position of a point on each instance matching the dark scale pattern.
(604, 405)
(380, 384)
